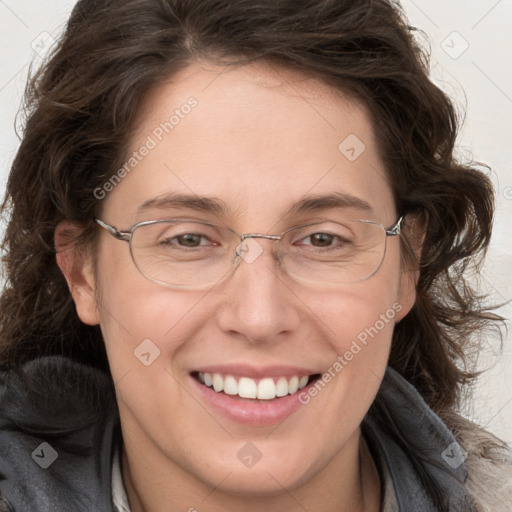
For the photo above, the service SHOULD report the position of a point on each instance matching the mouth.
(253, 396)
(254, 390)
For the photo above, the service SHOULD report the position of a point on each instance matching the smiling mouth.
(267, 388)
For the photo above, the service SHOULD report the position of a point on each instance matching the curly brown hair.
(82, 105)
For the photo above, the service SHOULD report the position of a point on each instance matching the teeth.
(281, 387)
(245, 387)
(207, 379)
(218, 382)
(293, 385)
(266, 389)
(230, 385)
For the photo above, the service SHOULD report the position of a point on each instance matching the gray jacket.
(59, 427)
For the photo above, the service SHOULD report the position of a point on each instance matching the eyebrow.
(317, 203)
(192, 202)
(215, 206)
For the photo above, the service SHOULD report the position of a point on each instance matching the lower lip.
(257, 412)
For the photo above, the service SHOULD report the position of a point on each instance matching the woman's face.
(258, 141)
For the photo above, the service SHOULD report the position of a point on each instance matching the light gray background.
(471, 48)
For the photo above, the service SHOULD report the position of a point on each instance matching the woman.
(235, 256)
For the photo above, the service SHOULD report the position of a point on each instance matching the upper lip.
(247, 370)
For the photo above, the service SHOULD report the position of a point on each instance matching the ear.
(76, 264)
(413, 233)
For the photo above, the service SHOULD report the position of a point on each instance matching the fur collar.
(488, 464)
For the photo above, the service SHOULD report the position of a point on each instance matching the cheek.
(361, 312)
(146, 329)
(138, 317)
(358, 325)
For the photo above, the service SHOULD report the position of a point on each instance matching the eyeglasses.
(191, 254)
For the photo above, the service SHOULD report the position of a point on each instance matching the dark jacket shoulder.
(58, 426)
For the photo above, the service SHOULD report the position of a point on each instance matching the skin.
(259, 139)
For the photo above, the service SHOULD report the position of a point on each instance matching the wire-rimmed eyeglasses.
(192, 254)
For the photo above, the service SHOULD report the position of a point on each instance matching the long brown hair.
(82, 104)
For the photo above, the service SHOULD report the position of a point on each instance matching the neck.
(342, 486)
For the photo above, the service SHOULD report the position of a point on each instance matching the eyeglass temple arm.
(120, 235)
(397, 228)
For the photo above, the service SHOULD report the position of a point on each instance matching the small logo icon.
(249, 250)
(454, 45)
(42, 44)
(454, 455)
(352, 147)
(249, 455)
(45, 455)
(147, 352)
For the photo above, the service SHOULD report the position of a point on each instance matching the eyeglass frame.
(126, 235)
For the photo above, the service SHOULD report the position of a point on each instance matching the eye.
(321, 239)
(190, 240)
(187, 240)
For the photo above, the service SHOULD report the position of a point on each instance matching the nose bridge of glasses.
(249, 250)
(259, 235)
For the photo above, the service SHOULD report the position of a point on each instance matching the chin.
(266, 477)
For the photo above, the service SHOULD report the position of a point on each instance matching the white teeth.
(207, 379)
(266, 389)
(281, 387)
(245, 387)
(218, 382)
(230, 385)
(293, 385)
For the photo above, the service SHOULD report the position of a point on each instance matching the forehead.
(259, 138)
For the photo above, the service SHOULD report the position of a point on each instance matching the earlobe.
(407, 293)
(414, 236)
(76, 265)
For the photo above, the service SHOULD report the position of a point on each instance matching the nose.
(259, 304)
